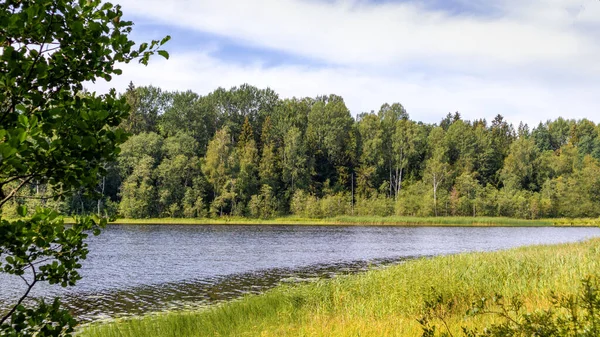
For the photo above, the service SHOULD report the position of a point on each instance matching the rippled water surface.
(132, 269)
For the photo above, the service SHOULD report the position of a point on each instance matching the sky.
(528, 60)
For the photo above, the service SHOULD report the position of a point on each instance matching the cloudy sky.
(528, 60)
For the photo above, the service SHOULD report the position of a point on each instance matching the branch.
(44, 197)
(30, 286)
(15, 190)
(8, 180)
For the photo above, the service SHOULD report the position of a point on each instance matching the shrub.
(572, 315)
(378, 205)
(336, 204)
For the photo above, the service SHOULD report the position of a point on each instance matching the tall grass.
(383, 302)
(370, 220)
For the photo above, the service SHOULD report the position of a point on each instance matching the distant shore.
(371, 221)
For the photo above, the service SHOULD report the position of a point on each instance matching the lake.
(135, 269)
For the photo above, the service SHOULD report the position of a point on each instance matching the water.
(133, 269)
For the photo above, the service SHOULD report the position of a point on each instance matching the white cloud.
(529, 60)
(426, 98)
(358, 32)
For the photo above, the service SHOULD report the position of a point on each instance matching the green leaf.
(163, 53)
(22, 210)
(165, 39)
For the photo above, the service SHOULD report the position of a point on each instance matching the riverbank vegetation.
(370, 220)
(246, 152)
(385, 302)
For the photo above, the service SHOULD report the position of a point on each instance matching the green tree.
(263, 205)
(461, 143)
(55, 133)
(501, 136)
(329, 138)
(371, 153)
(192, 114)
(466, 195)
(138, 146)
(390, 115)
(560, 132)
(246, 101)
(138, 191)
(436, 167)
(406, 139)
(291, 113)
(247, 154)
(294, 160)
(147, 104)
(176, 173)
(218, 166)
(269, 170)
(521, 168)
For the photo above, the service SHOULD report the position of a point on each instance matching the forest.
(247, 152)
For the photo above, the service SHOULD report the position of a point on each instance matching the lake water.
(133, 269)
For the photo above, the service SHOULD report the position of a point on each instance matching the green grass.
(371, 220)
(383, 302)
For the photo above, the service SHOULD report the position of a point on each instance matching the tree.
(522, 166)
(247, 154)
(263, 205)
(53, 132)
(147, 104)
(176, 173)
(405, 139)
(235, 105)
(269, 168)
(371, 154)
(294, 160)
(138, 191)
(329, 138)
(390, 115)
(437, 168)
(191, 114)
(217, 164)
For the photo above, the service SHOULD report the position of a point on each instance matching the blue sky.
(527, 60)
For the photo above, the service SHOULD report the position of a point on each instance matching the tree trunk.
(435, 195)
(391, 181)
(99, 199)
(352, 200)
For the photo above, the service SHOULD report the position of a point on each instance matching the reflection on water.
(198, 293)
(145, 268)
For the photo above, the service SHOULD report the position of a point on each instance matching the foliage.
(574, 315)
(194, 155)
(56, 138)
(263, 205)
(42, 249)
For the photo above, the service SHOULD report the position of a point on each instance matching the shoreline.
(353, 305)
(392, 221)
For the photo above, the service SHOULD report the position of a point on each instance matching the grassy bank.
(381, 302)
(371, 220)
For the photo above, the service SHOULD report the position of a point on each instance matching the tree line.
(247, 152)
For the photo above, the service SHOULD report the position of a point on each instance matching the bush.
(263, 205)
(306, 205)
(570, 316)
(376, 205)
(337, 204)
(415, 200)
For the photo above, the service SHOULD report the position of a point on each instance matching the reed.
(371, 220)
